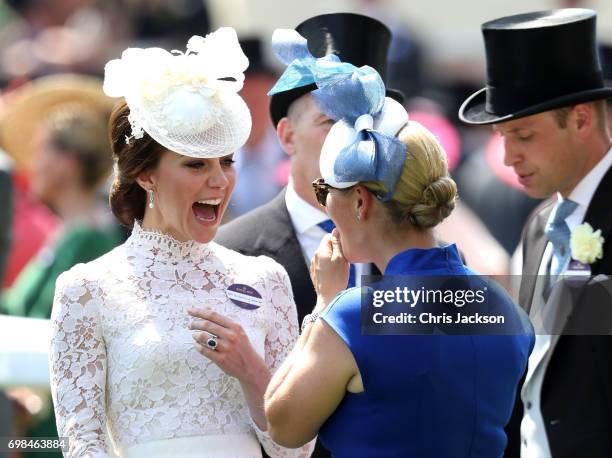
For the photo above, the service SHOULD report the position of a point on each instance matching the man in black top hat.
(279, 229)
(545, 95)
(291, 226)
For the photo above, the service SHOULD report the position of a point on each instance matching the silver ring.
(211, 342)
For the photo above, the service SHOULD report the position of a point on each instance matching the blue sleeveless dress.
(438, 396)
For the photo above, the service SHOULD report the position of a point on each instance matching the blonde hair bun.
(425, 193)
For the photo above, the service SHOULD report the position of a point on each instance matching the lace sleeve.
(281, 338)
(78, 367)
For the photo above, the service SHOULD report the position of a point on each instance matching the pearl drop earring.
(151, 198)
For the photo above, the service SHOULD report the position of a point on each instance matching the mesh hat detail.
(186, 101)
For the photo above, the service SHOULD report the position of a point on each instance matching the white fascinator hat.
(186, 101)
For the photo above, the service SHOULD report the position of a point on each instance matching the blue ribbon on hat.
(345, 93)
(372, 156)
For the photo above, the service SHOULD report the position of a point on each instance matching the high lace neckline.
(161, 244)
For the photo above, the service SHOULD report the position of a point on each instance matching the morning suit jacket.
(576, 396)
(268, 231)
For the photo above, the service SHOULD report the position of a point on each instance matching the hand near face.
(234, 353)
(329, 269)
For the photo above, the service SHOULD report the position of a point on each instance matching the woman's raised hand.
(329, 269)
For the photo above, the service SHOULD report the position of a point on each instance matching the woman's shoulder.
(343, 315)
(94, 270)
(499, 302)
(346, 304)
(264, 265)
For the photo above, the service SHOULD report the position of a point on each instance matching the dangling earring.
(151, 198)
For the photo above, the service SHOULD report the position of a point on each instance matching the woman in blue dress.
(386, 186)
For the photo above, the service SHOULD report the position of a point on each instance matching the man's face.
(309, 128)
(543, 155)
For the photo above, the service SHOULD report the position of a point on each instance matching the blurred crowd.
(55, 157)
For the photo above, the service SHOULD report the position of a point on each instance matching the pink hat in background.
(444, 131)
(494, 155)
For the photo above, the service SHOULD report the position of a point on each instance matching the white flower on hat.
(187, 102)
(586, 245)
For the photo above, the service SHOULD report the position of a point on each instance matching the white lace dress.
(125, 373)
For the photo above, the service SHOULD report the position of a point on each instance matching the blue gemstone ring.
(211, 342)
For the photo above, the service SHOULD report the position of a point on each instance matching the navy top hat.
(537, 62)
(354, 38)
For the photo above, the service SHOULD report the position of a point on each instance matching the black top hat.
(354, 38)
(252, 48)
(537, 62)
(605, 57)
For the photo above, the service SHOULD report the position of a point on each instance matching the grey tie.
(558, 233)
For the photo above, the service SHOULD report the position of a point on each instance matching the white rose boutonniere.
(586, 244)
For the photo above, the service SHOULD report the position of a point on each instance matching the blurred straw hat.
(29, 106)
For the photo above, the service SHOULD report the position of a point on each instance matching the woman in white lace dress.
(164, 346)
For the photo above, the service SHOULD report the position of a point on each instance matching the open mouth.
(207, 211)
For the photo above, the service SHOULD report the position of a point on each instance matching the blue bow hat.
(355, 38)
(362, 145)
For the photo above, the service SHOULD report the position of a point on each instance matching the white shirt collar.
(302, 214)
(584, 191)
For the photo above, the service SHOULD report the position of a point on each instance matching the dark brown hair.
(127, 199)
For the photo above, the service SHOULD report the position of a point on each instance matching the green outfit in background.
(32, 294)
